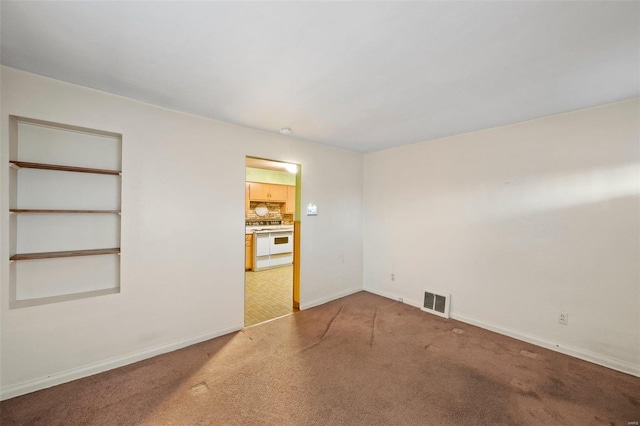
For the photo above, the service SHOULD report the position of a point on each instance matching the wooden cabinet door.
(267, 192)
(246, 198)
(259, 191)
(291, 200)
(248, 253)
(278, 193)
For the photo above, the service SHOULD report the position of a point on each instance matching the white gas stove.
(272, 245)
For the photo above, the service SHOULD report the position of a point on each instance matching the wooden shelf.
(72, 253)
(62, 211)
(27, 165)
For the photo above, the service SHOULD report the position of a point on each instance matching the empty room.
(320, 213)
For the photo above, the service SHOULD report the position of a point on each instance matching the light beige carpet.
(359, 360)
(268, 294)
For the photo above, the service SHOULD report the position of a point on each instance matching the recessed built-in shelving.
(70, 253)
(60, 222)
(59, 167)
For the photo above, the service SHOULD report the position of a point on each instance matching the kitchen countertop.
(265, 229)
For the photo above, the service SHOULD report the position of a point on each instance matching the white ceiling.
(358, 75)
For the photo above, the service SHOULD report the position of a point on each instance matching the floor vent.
(436, 303)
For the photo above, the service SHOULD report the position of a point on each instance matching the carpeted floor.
(360, 360)
(268, 294)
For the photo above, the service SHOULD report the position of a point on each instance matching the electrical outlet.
(393, 277)
(563, 318)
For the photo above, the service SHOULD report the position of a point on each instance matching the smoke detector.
(285, 130)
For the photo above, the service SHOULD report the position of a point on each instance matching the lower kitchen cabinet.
(248, 253)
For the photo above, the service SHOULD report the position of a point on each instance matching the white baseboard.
(586, 355)
(410, 302)
(382, 293)
(329, 298)
(109, 364)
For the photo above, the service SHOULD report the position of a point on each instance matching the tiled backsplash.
(287, 219)
(273, 214)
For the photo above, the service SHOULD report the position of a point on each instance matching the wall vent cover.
(436, 303)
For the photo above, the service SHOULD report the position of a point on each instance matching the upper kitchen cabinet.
(290, 206)
(246, 198)
(278, 193)
(267, 192)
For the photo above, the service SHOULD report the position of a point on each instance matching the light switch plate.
(312, 210)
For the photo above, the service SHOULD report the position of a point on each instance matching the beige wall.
(182, 276)
(519, 223)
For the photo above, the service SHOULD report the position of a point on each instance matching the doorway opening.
(272, 237)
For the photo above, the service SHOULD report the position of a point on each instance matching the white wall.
(182, 277)
(519, 223)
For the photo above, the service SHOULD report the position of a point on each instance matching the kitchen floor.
(268, 294)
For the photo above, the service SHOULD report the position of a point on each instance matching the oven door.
(281, 242)
(261, 244)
